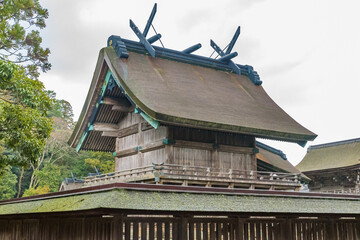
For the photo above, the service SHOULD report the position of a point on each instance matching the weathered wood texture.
(148, 227)
(142, 145)
(337, 181)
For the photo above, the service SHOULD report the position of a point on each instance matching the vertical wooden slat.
(270, 230)
(159, 230)
(232, 231)
(246, 231)
(263, 231)
(127, 230)
(144, 227)
(198, 231)
(225, 231)
(218, 230)
(135, 228)
(151, 231)
(206, 231)
(175, 230)
(167, 230)
(257, 231)
(212, 231)
(191, 231)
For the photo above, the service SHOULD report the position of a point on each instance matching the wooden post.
(330, 228)
(182, 232)
(118, 227)
(286, 229)
(239, 229)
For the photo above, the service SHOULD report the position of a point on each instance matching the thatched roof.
(186, 94)
(331, 156)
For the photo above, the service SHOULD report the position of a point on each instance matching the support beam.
(105, 127)
(126, 152)
(133, 129)
(122, 109)
(119, 104)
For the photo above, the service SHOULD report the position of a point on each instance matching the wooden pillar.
(286, 229)
(330, 228)
(118, 227)
(182, 228)
(239, 229)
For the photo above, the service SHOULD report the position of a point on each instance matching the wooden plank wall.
(193, 147)
(145, 135)
(183, 227)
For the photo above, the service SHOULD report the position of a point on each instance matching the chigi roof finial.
(145, 46)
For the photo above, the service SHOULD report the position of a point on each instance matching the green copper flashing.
(155, 124)
(78, 147)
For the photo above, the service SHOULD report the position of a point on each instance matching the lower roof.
(147, 197)
(276, 158)
(331, 156)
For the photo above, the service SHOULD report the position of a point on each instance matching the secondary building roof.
(145, 197)
(180, 89)
(331, 155)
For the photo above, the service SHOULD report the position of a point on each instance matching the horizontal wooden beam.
(128, 131)
(144, 148)
(122, 109)
(116, 101)
(133, 129)
(151, 146)
(127, 152)
(235, 149)
(108, 127)
(211, 146)
(196, 145)
(118, 104)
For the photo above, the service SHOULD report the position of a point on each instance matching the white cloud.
(306, 52)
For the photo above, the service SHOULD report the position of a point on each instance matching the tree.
(36, 191)
(20, 40)
(24, 104)
(8, 184)
(24, 125)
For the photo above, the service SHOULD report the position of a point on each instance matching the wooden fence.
(147, 227)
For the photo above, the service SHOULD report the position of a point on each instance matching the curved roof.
(185, 94)
(331, 155)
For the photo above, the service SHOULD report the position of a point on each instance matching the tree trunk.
(20, 182)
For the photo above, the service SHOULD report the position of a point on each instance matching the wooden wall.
(151, 227)
(191, 147)
(335, 181)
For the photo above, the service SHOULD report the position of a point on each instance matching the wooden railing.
(341, 191)
(158, 172)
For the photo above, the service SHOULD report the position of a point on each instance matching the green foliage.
(61, 109)
(49, 175)
(24, 125)
(20, 39)
(36, 191)
(8, 184)
(102, 161)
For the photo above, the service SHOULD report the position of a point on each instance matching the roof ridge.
(271, 149)
(332, 144)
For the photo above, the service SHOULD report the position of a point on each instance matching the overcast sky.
(306, 52)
